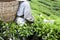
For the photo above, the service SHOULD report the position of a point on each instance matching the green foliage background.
(49, 9)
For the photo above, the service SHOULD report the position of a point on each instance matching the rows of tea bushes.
(50, 10)
(39, 30)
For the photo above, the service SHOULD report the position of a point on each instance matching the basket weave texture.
(8, 10)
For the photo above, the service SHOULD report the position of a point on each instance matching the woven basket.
(8, 10)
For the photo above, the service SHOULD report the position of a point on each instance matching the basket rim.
(9, 4)
(7, 1)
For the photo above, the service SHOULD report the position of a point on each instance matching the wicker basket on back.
(8, 10)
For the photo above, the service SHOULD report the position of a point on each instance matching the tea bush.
(41, 9)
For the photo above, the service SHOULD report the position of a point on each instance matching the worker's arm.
(27, 12)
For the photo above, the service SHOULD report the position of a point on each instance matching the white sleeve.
(20, 10)
(27, 12)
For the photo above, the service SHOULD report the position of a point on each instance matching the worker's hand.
(30, 19)
(20, 21)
